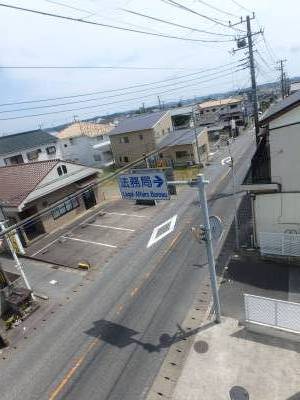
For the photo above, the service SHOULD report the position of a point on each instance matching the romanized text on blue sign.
(146, 186)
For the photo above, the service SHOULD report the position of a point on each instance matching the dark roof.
(24, 140)
(17, 181)
(139, 123)
(182, 136)
(280, 107)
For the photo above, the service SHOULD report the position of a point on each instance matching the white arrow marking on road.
(226, 161)
(154, 238)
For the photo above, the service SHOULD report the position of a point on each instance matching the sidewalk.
(226, 355)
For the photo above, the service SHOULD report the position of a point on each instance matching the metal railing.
(272, 312)
(282, 244)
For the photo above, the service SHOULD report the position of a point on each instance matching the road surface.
(106, 342)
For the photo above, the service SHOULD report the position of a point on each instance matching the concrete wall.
(43, 156)
(284, 149)
(80, 149)
(277, 212)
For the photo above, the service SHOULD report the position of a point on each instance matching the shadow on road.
(296, 396)
(121, 336)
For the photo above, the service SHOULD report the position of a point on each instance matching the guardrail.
(272, 312)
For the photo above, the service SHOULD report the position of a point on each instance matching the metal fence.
(283, 244)
(272, 312)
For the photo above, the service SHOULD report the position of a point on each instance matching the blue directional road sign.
(146, 185)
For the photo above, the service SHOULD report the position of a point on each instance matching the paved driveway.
(96, 238)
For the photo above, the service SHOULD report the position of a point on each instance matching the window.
(126, 159)
(65, 145)
(124, 140)
(97, 157)
(59, 171)
(120, 158)
(67, 206)
(14, 160)
(141, 137)
(33, 155)
(214, 109)
(99, 138)
(64, 168)
(51, 150)
(233, 106)
(207, 111)
(181, 154)
(201, 112)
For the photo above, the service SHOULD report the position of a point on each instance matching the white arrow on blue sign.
(144, 186)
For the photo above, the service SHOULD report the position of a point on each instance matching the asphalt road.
(109, 339)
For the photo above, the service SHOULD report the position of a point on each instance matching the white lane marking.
(112, 227)
(45, 247)
(154, 238)
(90, 242)
(126, 215)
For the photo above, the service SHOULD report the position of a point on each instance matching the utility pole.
(209, 246)
(282, 77)
(196, 137)
(17, 261)
(242, 44)
(159, 102)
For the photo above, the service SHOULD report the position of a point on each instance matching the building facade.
(274, 176)
(27, 189)
(87, 143)
(137, 136)
(28, 147)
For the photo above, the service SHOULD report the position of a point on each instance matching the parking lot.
(96, 238)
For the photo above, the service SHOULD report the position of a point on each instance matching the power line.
(117, 95)
(217, 9)
(174, 24)
(241, 6)
(117, 90)
(263, 60)
(111, 103)
(102, 24)
(214, 20)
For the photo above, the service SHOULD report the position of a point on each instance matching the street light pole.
(209, 246)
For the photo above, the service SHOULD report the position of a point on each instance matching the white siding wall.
(43, 156)
(285, 151)
(80, 149)
(277, 212)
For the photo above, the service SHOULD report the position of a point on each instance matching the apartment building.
(139, 135)
(28, 147)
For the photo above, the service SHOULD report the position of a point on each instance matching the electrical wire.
(263, 60)
(115, 95)
(111, 103)
(214, 20)
(117, 90)
(174, 24)
(241, 6)
(218, 9)
(47, 14)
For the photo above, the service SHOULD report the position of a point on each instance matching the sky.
(36, 40)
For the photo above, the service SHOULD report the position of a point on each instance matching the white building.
(28, 147)
(87, 143)
(274, 178)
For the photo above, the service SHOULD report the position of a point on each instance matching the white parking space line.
(154, 238)
(126, 215)
(44, 248)
(90, 242)
(112, 227)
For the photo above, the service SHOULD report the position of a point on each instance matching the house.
(180, 147)
(27, 147)
(224, 111)
(274, 178)
(182, 117)
(26, 189)
(87, 143)
(136, 136)
(295, 87)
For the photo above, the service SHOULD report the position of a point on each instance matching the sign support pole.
(209, 247)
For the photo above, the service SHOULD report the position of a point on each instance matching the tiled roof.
(17, 181)
(220, 102)
(84, 129)
(139, 123)
(25, 140)
(281, 106)
(180, 137)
